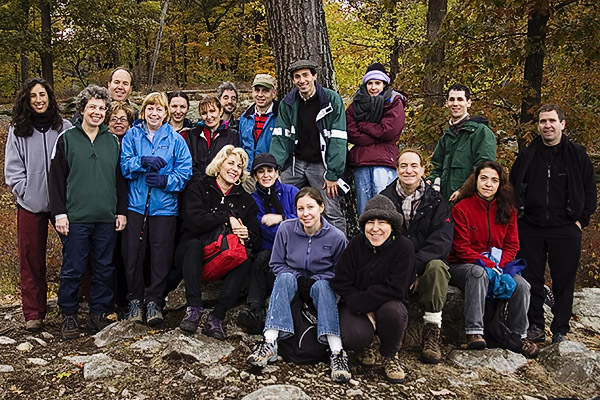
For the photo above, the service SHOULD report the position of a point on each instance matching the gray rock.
(573, 364)
(188, 377)
(118, 331)
(25, 347)
(501, 360)
(218, 371)
(47, 335)
(6, 368)
(202, 349)
(586, 305)
(7, 340)
(276, 392)
(37, 361)
(98, 366)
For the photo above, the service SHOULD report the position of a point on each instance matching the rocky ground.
(128, 361)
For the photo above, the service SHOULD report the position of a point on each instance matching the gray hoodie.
(27, 166)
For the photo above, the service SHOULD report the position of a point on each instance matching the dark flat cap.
(302, 64)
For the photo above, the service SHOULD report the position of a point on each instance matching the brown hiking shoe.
(431, 353)
(367, 357)
(393, 370)
(476, 342)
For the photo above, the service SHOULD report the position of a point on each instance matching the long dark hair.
(21, 113)
(504, 195)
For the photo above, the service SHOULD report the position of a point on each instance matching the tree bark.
(157, 45)
(433, 88)
(298, 31)
(46, 49)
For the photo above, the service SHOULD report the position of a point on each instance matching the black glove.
(154, 179)
(154, 162)
(304, 285)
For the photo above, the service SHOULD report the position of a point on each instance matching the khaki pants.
(433, 286)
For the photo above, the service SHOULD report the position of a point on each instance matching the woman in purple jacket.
(303, 259)
(374, 122)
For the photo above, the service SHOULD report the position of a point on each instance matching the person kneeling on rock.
(373, 278)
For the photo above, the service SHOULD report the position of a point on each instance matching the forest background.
(513, 54)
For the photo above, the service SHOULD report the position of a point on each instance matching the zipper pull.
(222, 199)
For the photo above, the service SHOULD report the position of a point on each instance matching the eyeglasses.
(118, 119)
(93, 107)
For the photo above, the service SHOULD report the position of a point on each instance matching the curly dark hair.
(21, 113)
(504, 195)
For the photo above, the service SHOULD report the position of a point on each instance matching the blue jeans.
(96, 242)
(313, 174)
(279, 315)
(370, 181)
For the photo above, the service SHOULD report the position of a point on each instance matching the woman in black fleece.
(373, 277)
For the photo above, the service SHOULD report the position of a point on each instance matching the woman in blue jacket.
(304, 254)
(157, 164)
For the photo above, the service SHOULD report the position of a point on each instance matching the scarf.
(270, 200)
(369, 108)
(42, 121)
(410, 202)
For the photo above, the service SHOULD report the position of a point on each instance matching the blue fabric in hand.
(154, 179)
(154, 162)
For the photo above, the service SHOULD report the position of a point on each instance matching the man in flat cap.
(309, 140)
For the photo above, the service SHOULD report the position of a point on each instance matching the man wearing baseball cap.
(257, 123)
(275, 201)
(310, 141)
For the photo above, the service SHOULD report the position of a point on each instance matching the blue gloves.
(154, 162)
(154, 179)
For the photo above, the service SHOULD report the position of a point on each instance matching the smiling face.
(309, 213)
(488, 182)
(211, 115)
(377, 231)
(229, 101)
(119, 87)
(38, 99)
(154, 115)
(231, 169)
(266, 176)
(550, 127)
(410, 171)
(179, 109)
(304, 80)
(374, 87)
(263, 97)
(93, 113)
(118, 123)
(458, 104)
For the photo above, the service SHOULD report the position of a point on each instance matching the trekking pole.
(143, 229)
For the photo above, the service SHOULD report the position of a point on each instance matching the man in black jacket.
(428, 224)
(555, 189)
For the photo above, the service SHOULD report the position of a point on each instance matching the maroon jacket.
(374, 143)
(476, 231)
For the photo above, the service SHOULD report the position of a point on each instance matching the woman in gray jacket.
(35, 125)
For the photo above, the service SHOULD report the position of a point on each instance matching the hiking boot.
(213, 328)
(431, 353)
(393, 370)
(536, 334)
(476, 342)
(529, 349)
(69, 327)
(558, 337)
(340, 372)
(367, 357)
(97, 322)
(192, 319)
(265, 353)
(154, 315)
(252, 320)
(33, 325)
(135, 311)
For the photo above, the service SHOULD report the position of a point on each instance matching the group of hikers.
(137, 198)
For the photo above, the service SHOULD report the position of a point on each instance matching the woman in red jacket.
(485, 218)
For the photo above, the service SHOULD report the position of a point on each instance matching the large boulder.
(573, 364)
(586, 306)
(503, 361)
(276, 392)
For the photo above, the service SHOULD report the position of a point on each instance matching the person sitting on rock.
(485, 218)
(373, 277)
(303, 260)
(275, 201)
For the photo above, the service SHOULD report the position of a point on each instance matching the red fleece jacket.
(476, 231)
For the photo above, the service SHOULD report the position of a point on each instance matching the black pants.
(188, 258)
(261, 279)
(358, 333)
(561, 247)
(160, 233)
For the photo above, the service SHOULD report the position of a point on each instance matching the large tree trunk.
(157, 45)
(46, 50)
(534, 62)
(298, 31)
(433, 86)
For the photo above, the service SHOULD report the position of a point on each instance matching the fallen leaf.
(443, 392)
